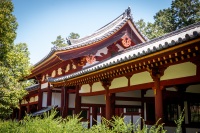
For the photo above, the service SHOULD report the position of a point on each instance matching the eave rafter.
(164, 58)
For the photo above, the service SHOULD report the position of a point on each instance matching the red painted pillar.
(49, 96)
(156, 73)
(64, 102)
(94, 115)
(108, 97)
(158, 100)
(77, 101)
(40, 95)
(108, 106)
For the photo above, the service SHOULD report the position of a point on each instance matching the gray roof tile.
(33, 87)
(160, 43)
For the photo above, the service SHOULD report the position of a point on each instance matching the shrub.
(72, 124)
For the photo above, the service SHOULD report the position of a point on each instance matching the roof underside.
(174, 38)
(88, 42)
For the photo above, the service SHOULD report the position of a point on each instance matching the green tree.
(73, 35)
(185, 12)
(59, 42)
(150, 30)
(181, 13)
(14, 61)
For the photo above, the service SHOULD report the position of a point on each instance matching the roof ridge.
(113, 26)
(124, 15)
(182, 35)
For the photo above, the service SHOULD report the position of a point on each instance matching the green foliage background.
(181, 13)
(14, 62)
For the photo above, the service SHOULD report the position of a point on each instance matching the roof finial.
(68, 41)
(127, 13)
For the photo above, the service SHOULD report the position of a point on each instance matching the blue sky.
(41, 21)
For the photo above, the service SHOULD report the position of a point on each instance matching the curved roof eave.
(33, 87)
(99, 35)
(157, 44)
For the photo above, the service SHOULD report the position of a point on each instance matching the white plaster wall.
(141, 78)
(97, 86)
(103, 50)
(23, 101)
(180, 70)
(44, 99)
(85, 88)
(71, 100)
(127, 103)
(44, 85)
(171, 89)
(193, 88)
(136, 93)
(98, 119)
(36, 98)
(32, 99)
(135, 119)
(56, 99)
(120, 47)
(90, 120)
(127, 118)
(119, 82)
(149, 93)
(99, 99)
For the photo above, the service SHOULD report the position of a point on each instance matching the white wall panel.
(56, 99)
(127, 103)
(44, 99)
(180, 70)
(100, 99)
(193, 88)
(136, 93)
(44, 85)
(71, 100)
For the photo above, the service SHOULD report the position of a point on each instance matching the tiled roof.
(32, 87)
(99, 35)
(157, 44)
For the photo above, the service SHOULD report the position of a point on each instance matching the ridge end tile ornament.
(127, 13)
(126, 41)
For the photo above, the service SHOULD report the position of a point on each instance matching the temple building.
(118, 71)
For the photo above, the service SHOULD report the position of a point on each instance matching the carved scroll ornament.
(90, 59)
